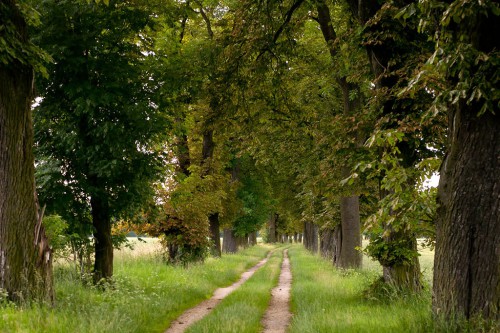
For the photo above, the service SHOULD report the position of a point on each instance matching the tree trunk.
(25, 256)
(311, 236)
(467, 260)
(252, 238)
(404, 275)
(215, 249)
(241, 242)
(183, 158)
(229, 243)
(173, 252)
(326, 243)
(315, 238)
(213, 218)
(271, 238)
(380, 55)
(349, 237)
(101, 220)
(350, 234)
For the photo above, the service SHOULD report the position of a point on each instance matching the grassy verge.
(146, 297)
(328, 300)
(242, 310)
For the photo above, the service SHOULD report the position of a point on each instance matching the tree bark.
(25, 256)
(101, 220)
(467, 260)
(229, 243)
(311, 236)
(215, 234)
(404, 275)
(213, 218)
(183, 158)
(327, 243)
(350, 234)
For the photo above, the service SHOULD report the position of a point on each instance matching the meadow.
(147, 295)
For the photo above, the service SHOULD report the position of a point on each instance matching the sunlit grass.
(325, 299)
(145, 297)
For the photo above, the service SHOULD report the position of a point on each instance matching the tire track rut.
(194, 314)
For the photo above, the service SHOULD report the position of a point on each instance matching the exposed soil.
(196, 313)
(278, 316)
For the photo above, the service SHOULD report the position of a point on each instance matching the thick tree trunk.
(350, 230)
(467, 260)
(25, 256)
(101, 220)
(173, 253)
(229, 243)
(311, 236)
(404, 275)
(241, 242)
(214, 226)
(326, 243)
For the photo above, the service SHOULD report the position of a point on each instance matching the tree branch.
(207, 20)
(288, 17)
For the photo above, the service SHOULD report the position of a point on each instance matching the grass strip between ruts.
(242, 310)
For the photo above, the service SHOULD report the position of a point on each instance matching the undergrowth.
(145, 295)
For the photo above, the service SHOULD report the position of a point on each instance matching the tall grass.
(242, 310)
(145, 297)
(328, 300)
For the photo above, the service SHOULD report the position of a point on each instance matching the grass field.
(147, 295)
(329, 300)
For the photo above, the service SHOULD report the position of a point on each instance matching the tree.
(395, 49)
(25, 255)
(101, 120)
(347, 235)
(467, 261)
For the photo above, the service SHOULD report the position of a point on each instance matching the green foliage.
(405, 203)
(253, 196)
(390, 253)
(471, 73)
(55, 229)
(101, 123)
(14, 44)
